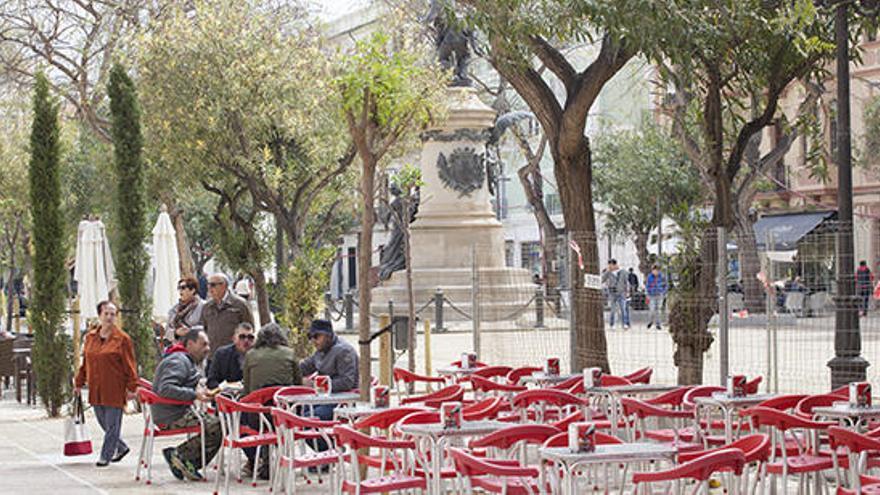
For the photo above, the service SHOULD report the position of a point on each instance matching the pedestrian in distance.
(864, 286)
(656, 289)
(616, 284)
(109, 372)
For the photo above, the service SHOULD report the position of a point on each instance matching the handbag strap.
(78, 410)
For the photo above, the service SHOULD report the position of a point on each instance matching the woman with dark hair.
(109, 370)
(270, 362)
(187, 312)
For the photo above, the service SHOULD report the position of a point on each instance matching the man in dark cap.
(333, 357)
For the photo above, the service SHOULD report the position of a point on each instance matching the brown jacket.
(220, 320)
(108, 368)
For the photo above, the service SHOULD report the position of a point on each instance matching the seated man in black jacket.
(228, 360)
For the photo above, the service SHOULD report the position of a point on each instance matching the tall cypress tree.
(131, 211)
(51, 358)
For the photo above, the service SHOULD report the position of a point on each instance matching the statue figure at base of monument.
(393, 255)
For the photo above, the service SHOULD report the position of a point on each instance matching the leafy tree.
(131, 215)
(387, 94)
(730, 62)
(304, 283)
(239, 91)
(641, 176)
(520, 32)
(51, 359)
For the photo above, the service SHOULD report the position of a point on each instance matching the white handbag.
(76, 435)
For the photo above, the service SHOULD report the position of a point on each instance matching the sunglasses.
(214, 284)
(246, 336)
(185, 287)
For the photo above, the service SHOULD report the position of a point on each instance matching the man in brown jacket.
(223, 312)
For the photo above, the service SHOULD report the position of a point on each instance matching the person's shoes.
(102, 463)
(186, 468)
(626, 327)
(659, 329)
(247, 470)
(264, 473)
(651, 323)
(120, 454)
(170, 455)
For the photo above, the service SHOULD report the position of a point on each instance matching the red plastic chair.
(808, 460)
(485, 409)
(292, 456)
(487, 386)
(492, 371)
(512, 442)
(755, 447)
(229, 412)
(753, 384)
(852, 445)
(452, 393)
(599, 421)
(699, 469)
(805, 407)
(642, 375)
(407, 377)
(494, 476)
(514, 376)
(613, 381)
(673, 398)
(264, 396)
(638, 412)
(144, 383)
(148, 398)
(568, 383)
(545, 404)
(382, 421)
(561, 440)
(398, 478)
(699, 391)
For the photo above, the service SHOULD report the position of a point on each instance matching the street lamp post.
(847, 365)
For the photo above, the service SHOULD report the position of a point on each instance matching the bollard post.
(428, 349)
(74, 308)
(328, 301)
(539, 308)
(385, 351)
(391, 309)
(438, 310)
(349, 310)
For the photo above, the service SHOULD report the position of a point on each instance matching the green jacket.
(269, 366)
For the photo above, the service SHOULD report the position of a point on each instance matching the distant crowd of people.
(211, 343)
(620, 287)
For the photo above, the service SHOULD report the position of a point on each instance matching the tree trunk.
(411, 299)
(641, 242)
(280, 258)
(532, 183)
(750, 265)
(262, 295)
(572, 172)
(365, 262)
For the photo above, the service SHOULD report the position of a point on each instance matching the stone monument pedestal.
(456, 222)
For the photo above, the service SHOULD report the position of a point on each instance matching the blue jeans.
(323, 412)
(110, 419)
(618, 302)
(655, 306)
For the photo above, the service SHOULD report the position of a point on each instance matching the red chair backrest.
(532, 434)
(700, 391)
(782, 420)
(470, 466)
(752, 385)
(457, 364)
(547, 396)
(855, 442)
(486, 409)
(357, 440)
(755, 447)
(407, 376)
(568, 383)
(783, 402)
(805, 407)
(517, 373)
(149, 397)
(841, 391)
(641, 375)
(384, 419)
(613, 381)
(561, 439)
(442, 394)
(289, 420)
(143, 382)
(263, 395)
(492, 371)
(642, 409)
(420, 418)
(703, 467)
(228, 406)
(486, 385)
(673, 398)
(574, 417)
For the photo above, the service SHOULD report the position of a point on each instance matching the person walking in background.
(223, 312)
(109, 371)
(655, 288)
(187, 313)
(633, 281)
(864, 286)
(615, 282)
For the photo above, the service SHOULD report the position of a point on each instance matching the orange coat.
(108, 368)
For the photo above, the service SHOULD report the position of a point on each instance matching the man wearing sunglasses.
(228, 360)
(223, 312)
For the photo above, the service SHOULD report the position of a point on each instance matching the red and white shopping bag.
(76, 435)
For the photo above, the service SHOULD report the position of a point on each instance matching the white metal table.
(437, 434)
(456, 372)
(847, 414)
(728, 405)
(312, 400)
(356, 411)
(543, 379)
(624, 453)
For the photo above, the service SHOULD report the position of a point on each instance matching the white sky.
(332, 9)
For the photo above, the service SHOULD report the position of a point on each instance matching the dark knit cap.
(320, 326)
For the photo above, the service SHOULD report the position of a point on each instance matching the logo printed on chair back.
(736, 385)
(322, 385)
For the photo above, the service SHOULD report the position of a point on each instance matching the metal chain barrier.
(356, 305)
(457, 309)
(425, 306)
(515, 314)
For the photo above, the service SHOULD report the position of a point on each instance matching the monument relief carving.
(463, 171)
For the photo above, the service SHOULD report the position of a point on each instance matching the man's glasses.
(214, 284)
(246, 336)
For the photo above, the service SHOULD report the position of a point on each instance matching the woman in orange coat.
(109, 371)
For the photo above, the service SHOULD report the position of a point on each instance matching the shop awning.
(787, 229)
